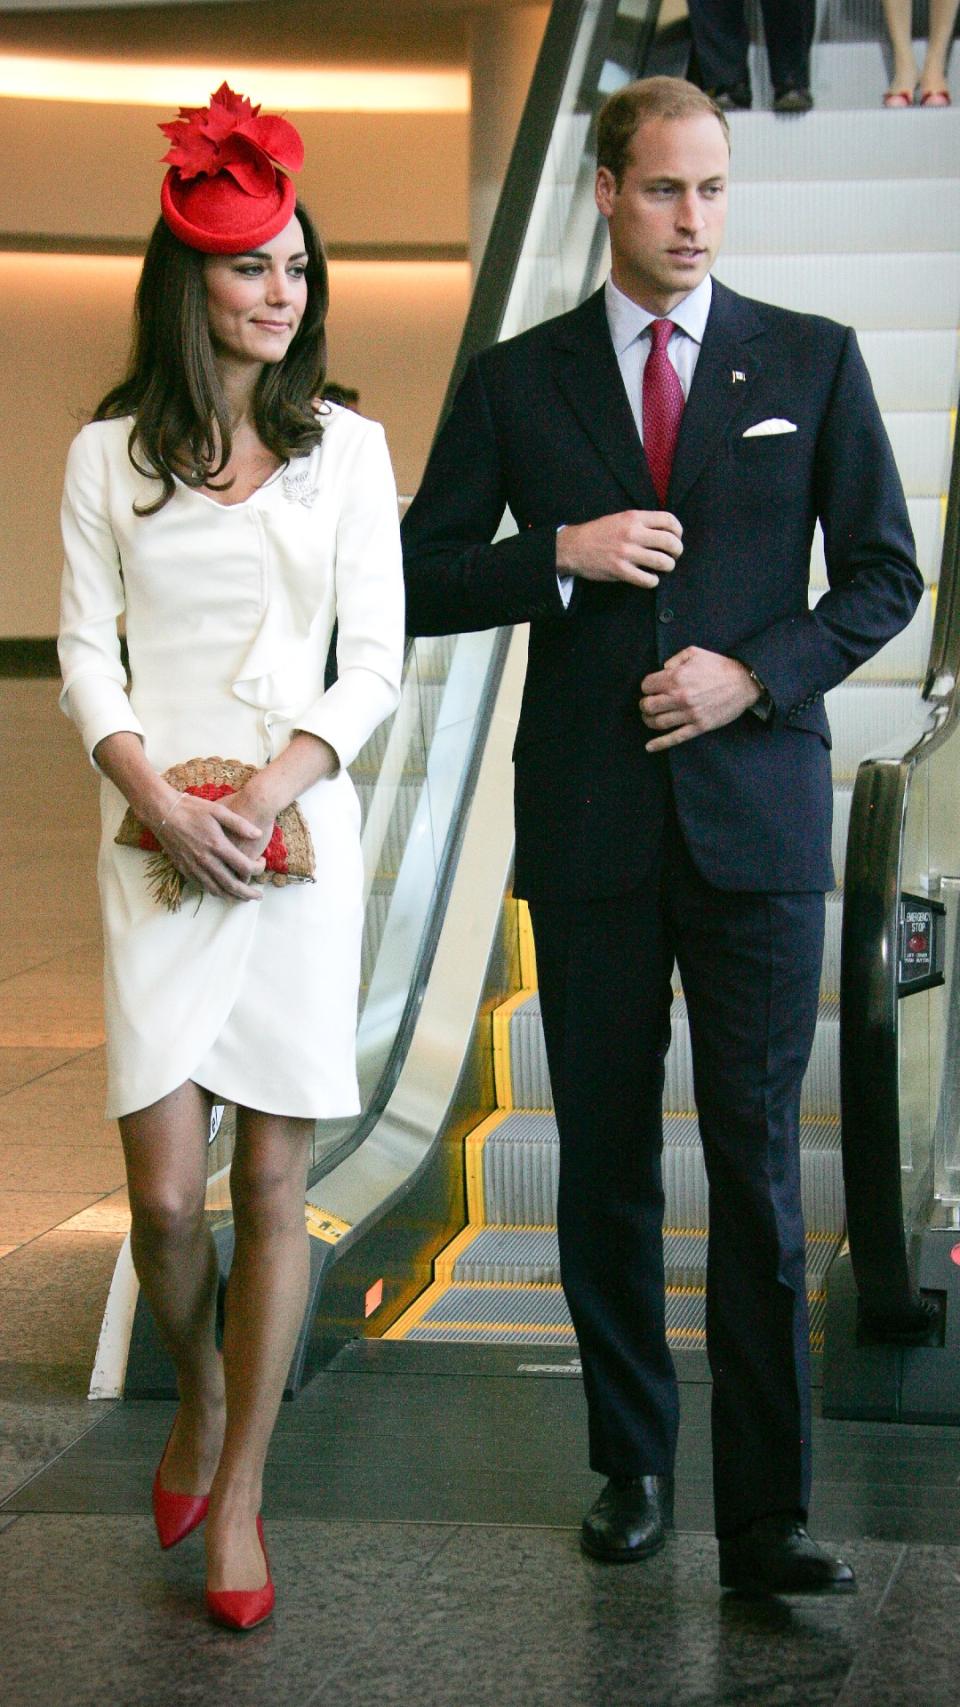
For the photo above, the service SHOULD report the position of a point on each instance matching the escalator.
(433, 1214)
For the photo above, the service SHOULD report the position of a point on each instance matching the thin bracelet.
(172, 810)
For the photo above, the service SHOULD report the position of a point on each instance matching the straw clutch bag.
(289, 852)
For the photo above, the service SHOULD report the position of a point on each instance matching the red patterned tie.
(662, 407)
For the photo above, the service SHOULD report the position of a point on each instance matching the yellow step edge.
(682, 1336)
(507, 1285)
(473, 1163)
(412, 1317)
(515, 1226)
(437, 1289)
(501, 1047)
(443, 1264)
(528, 951)
(565, 1328)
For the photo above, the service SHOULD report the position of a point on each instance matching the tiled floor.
(62, 1198)
(422, 1522)
(61, 1159)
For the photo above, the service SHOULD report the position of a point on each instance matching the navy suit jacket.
(542, 424)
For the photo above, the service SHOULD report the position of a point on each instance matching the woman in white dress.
(231, 520)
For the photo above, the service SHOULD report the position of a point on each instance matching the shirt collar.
(627, 320)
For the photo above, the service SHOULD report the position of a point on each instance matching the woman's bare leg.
(943, 16)
(165, 1147)
(265, 1302)
(897, 14)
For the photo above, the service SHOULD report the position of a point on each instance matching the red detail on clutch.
(275, 852)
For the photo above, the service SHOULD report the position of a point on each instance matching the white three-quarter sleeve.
(370, 609)
(94, 681)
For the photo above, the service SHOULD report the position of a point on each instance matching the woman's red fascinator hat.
(225, 193)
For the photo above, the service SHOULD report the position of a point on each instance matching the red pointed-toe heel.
(243, 1608)
(175, 1515)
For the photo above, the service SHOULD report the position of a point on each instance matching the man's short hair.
(623, 113)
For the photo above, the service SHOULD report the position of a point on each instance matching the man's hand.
(695, 691)
(637, 546)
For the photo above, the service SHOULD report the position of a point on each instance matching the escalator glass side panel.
(410, 780)
(901, 1051)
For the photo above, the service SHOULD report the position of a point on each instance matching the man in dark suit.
(721, 42)
(666, 450)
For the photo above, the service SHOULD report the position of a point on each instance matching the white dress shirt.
(629, 323)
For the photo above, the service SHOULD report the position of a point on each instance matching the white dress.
(229, 611)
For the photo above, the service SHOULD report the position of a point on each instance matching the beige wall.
(390, 192)
(393, 333)
(93, 172)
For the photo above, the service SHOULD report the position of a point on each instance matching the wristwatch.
(762, 707)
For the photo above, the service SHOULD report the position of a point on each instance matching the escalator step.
(538, 1315)
(531, 1079)
(520, 1163)
(528, 1256)
(844, 214)
(767, 149)
(497, 1314)
(370, 757)
(842, 801)
(872, 292)
(911, 370)
(402, 809)
(921, 447)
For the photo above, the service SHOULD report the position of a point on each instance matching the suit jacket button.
(666, 615)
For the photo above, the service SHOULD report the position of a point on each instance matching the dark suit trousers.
(721, 40)
(750, 968)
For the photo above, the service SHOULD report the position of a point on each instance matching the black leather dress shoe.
(734, 97)
(777, 1556)
(794, 98)
(629, 1520)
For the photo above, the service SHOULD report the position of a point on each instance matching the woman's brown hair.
(181, 424)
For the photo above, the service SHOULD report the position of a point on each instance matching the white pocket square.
(774, 425)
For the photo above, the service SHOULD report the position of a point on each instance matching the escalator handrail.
(869, 1033)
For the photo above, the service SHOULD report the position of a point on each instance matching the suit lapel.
(722, 383)
(587, 372)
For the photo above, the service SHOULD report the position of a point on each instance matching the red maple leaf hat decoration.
(227, 189)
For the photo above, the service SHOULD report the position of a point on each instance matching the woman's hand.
(251, 803)
(215, 845)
